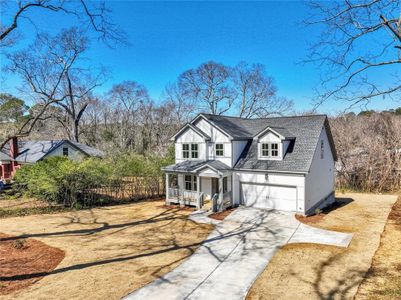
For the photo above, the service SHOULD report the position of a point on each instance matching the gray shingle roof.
(32, 151)
(193, 165)
(305, 130)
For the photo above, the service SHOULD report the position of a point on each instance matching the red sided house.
(17, 153)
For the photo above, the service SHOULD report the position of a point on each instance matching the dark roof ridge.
(265, 118)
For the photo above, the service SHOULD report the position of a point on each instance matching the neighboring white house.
(284, 163)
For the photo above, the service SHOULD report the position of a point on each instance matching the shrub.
(74, 184)
(60, 180)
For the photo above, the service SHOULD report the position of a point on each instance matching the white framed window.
(190, 151)
(194, 150)
(274, 150)
(65, 151)
(190, 183)
(185, 150)
(219, 148)
(269, 150)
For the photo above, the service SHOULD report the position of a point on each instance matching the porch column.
(198, 204)
(221, 193)
(167, 185)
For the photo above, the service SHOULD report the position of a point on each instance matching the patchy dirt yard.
(109, 251)
(383, 281)
(310, 271)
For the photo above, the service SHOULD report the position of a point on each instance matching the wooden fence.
(129, 189)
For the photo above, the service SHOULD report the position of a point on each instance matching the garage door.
(269, 196)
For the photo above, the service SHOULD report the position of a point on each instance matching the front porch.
(199, 185)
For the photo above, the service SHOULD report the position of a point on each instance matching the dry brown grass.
(311, 271)
(21, 203)
(110, 251)
(383, 281)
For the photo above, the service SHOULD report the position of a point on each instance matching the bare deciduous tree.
(128, 98)
(208, 84)
(50, 69)
(257, 93)
(93, 14)
(359, 39)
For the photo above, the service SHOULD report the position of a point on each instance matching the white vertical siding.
(190, 136)
(215, 134)
(320, 180)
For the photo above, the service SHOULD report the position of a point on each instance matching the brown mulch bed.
(222, 215)
(310, 219)
(21, 257)
(316, 218)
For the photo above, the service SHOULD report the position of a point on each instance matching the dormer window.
(269, 150)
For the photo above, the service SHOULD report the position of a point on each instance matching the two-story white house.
(284, 163)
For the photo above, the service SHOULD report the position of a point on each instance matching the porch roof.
(195, 166)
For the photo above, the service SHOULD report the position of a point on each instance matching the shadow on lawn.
(172, 244)
(166, 215)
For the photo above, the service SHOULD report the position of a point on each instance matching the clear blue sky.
(168, 38)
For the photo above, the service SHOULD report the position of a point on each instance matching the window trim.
(268, 148)
(193, 183)
(192, 151)
(217, 150)
(185, 151)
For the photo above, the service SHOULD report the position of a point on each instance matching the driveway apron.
(228, 262)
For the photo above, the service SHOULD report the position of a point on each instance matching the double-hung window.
(219, 149)
(185, 150)
(274, 150)
(65, 151)
(190, 151)
(190, 183)
(194, 150)
(269, 150)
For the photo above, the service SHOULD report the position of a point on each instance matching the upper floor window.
(190, 151)
(269, 150)
(65, 151)
(194, 150)
(185, 150)
(219, 149)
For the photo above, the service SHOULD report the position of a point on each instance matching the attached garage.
(269, 196)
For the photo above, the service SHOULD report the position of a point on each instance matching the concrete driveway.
(234, 254)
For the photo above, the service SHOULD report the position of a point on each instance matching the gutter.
(272, 171)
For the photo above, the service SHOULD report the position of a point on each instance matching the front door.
(215, 186)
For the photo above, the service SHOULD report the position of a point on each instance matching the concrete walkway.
(234, 254)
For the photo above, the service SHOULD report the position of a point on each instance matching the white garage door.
(269, 196)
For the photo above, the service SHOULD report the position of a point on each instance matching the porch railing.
(185, 197)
